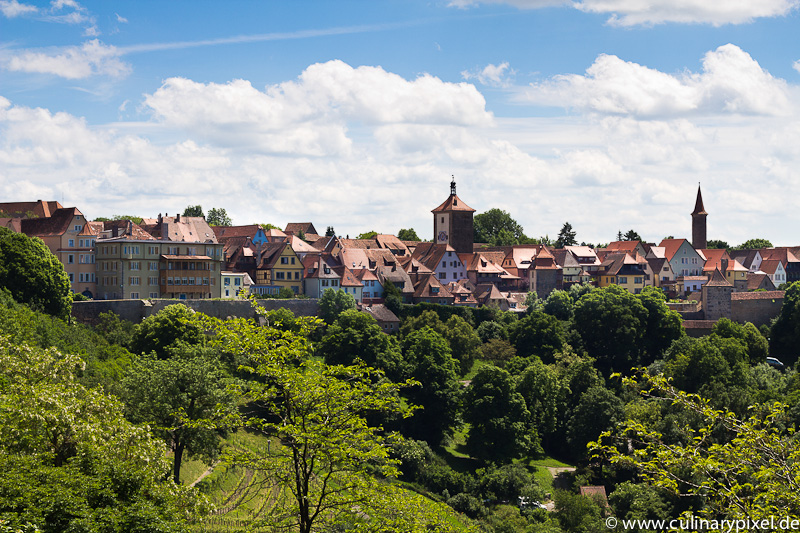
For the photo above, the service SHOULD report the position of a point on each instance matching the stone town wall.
(756, 307)
(137, 310)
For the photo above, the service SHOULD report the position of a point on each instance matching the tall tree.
(193, 211)
(631, 235)
(715, 244)
(333, 303)
(218, 217)
(367, 235)
(497, 415)
(408, 235)
(330, 232)
(785, 333)
(184, 398)
(33, 275)
(566, 237)
(173, 324)
(754, 244)
(496, 226)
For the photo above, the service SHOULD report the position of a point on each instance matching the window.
(152, 280)
(152, 250)
(134, 295)
(191, 281)
(153, 295)
(292, 260)
(324, 282)
(133, 281)
(334, 283)
(444, 264)
(185, 281)
(70, 259)
(226, 281)
(191, 251)
(71, 243)
(455, 276)
(134, 265)
(153, 265)
(637, 280)
(78, 227)
(442, 275)
(297, 275)
(237, 281)
(205, 281)
(623, 280)
(665, 269)
(169, 280)
(284, 260)
(172, 250)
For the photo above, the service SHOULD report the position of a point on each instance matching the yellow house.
(623, 270)
(279, 266)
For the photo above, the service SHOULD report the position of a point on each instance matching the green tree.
(740, 468)
(438, 392)
(631, 235)
(577, 514)
(498, 417)
(545, 394)
(663, 326)
(756, 345)
(173, 324)
(558, 304)
(785, 332)
(491, 329)
(367, 235)
(193, 211)
(754, 244)
(612, 324)
(333, 303)
(184, 398)
(464, 342)
(33, 275)
(218, 217)
(538, 334)
(598, 411)
(69, 461)
(330, 232)
(428, 318)
(495, 226)
(714, 244)
(639, 501)
(566, 237)
(356, 335)
(408, 235)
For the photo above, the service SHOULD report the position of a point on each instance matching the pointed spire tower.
(699, 223)
(452, 223)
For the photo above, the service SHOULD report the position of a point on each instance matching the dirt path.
(204, 474)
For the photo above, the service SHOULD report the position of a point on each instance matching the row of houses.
(184, 257)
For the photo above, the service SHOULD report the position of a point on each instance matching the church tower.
(699, 223)
(452, 223)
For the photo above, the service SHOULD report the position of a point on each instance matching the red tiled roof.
(39, 208)
(760, 295)
(453, 203)
(671, 246)
(56, 224)
(718, 280)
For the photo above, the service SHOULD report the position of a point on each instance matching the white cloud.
(93, 58)
(731, 82)
(12, 8)
(492, 75)
(312, 114)
(648, 12)
(121, 19)
(796, 66)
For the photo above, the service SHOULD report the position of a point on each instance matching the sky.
(606, 114)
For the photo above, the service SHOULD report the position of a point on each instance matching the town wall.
(756, 307)
(137, 310)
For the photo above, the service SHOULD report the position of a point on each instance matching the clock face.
(442, 236)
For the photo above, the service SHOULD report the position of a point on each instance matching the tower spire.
(698, 205)
(453, 185)
(699, 222)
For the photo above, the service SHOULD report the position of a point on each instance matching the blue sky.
(354, 114)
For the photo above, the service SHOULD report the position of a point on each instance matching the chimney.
(178, 217)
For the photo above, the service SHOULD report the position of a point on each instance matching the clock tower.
(452, 223)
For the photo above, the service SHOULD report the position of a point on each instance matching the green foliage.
(68, 459)
(577, 514)
(756, 345)
(740, 468)
(496, 227)
(558, 304)
(357, 336)
(598, 410)
(114, 329)
(33, 275)
(566, 237)
(714, 244)
(663, 326)
(438, 392)
(134, 219)
(631, 235)
(638, 501)
(785, 334)
(612, 324)
(218, 217)
(408, 235)
(333, 303)
(184, 398)
(538, 334)
(498, 352)
(545, 393)
(754, 244)
(498, 417)
(464, 342)
(491, 329)
(367, 235)
(193, 211)
(330, 232)
(173, 324)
